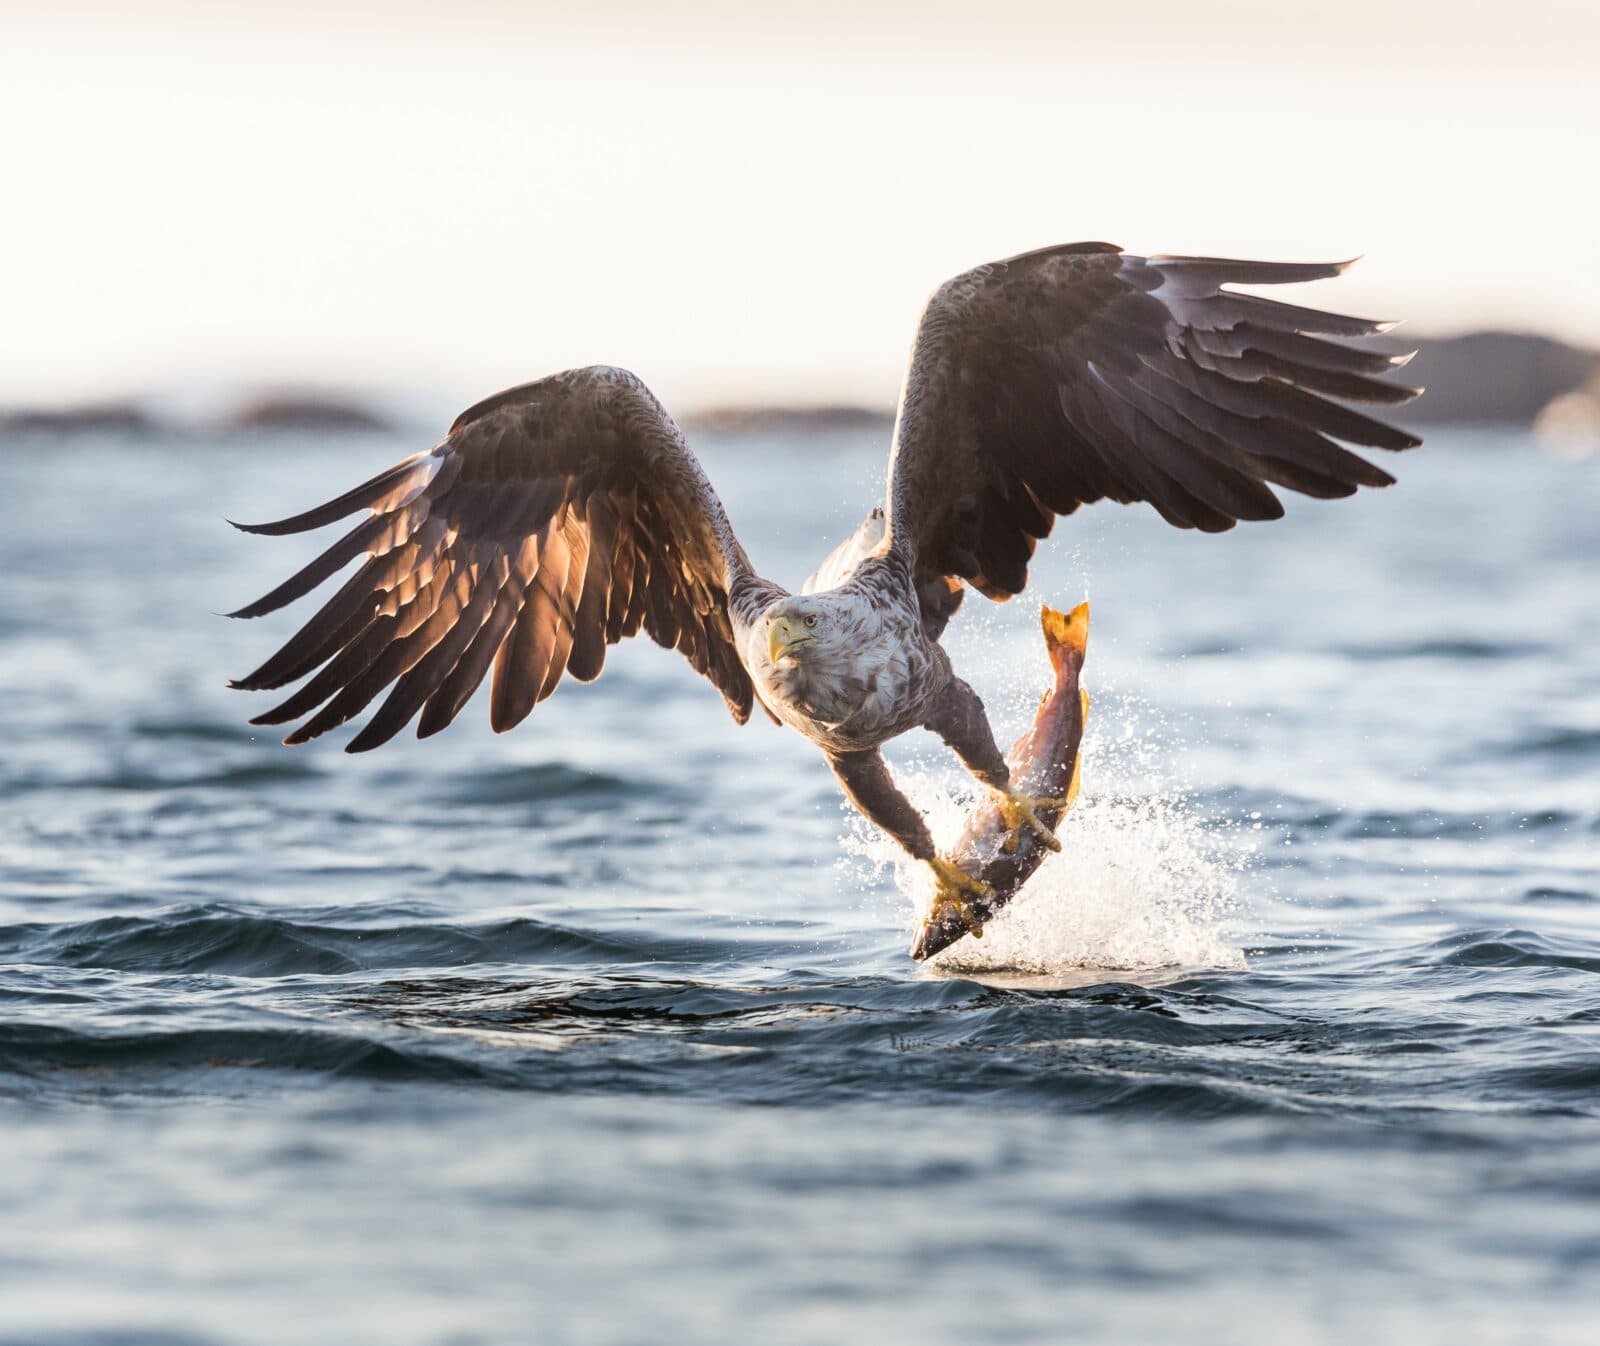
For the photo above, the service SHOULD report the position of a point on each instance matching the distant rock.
(106, 418)
(1493, 378)
(780, 420)
(328, 412)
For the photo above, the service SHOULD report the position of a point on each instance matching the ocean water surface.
(604, 1031)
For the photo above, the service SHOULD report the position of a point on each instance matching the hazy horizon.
(743, 207)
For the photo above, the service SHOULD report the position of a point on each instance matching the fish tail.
(1066, 635)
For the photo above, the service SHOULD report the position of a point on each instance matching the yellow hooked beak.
(783, 635)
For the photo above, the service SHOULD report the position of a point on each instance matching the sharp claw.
(1021, 810)
(956, 888)
(948, 904)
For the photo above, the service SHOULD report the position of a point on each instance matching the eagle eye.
(811, 619)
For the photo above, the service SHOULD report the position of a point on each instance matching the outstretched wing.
(552, 521)
(1084, 373)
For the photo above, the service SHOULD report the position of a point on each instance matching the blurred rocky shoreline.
(328, 412)
(1497, 378)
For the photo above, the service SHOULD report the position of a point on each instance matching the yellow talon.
(1021, 810)
(951, 898)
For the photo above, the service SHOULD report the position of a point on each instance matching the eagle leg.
(959, 719)
(869, 786)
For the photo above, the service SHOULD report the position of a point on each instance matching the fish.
(1044, 762)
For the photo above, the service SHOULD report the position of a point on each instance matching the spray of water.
(1143, 881)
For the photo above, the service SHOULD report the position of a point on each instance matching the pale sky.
(741, 201)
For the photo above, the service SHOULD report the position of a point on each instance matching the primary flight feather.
(559, 517)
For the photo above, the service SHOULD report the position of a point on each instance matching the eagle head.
(821, 658)
(807, 630)
(815, 644)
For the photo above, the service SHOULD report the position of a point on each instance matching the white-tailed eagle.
(560, 517)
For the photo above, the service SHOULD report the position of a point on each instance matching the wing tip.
(375, 733)
(504, 716)
(270, 528)
(1254, 271)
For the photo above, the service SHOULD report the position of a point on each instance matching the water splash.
(1143, 880)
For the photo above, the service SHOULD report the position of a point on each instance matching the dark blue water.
(604, 1031)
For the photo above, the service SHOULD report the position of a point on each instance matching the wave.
(197, 731)
(1560, 741)
(220, 940)
(1192, 1045)
(33, 1048)
(1301, 813)
(1544, 893)
(1444, 647)
(1515, 949)
(134, 780)
(531, 783)
(1449, 648)
(1114, 1048)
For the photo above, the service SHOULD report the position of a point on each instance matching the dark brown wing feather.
(552, 521)
(1083, 373)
